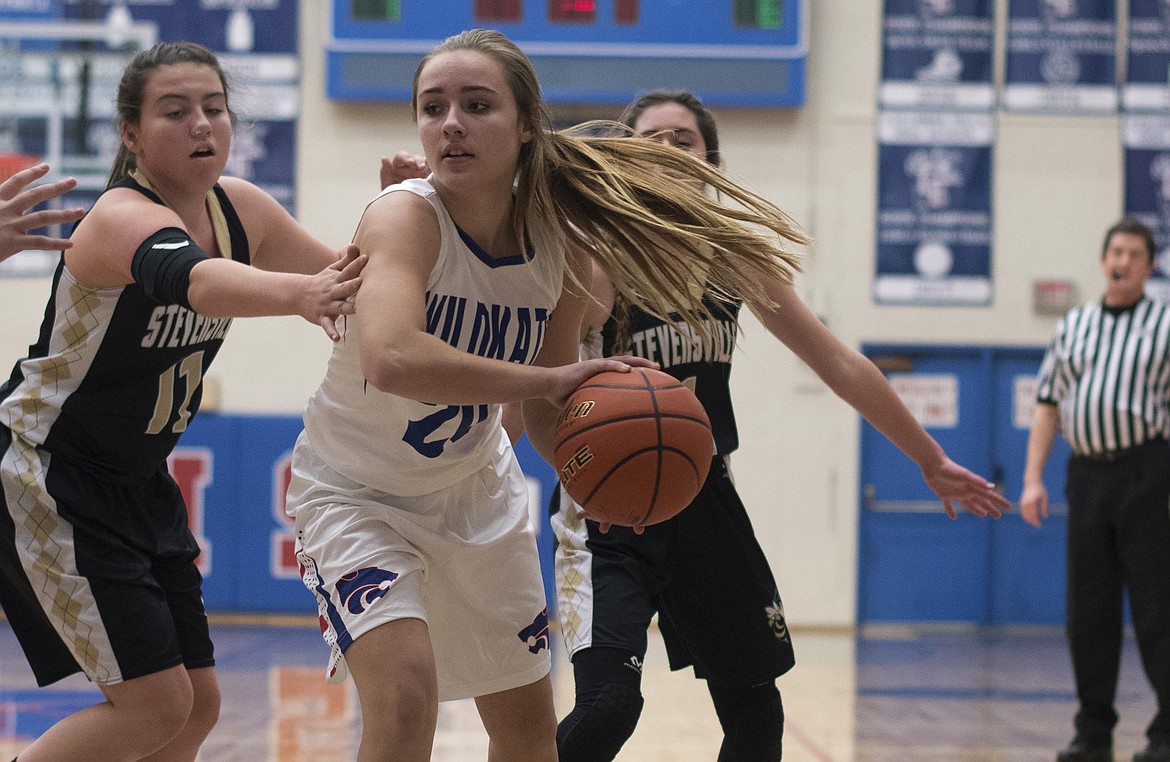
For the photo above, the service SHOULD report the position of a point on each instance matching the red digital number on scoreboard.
(497, 10)
(585, 11)
(572, 11)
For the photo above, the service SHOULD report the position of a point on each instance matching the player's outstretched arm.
(127, 238)
(859, 382)
(16, 198)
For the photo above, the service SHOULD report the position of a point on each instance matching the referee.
(1105, 382)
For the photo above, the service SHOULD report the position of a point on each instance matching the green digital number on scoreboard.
(730, 52)
(376, 10)
(764, 14)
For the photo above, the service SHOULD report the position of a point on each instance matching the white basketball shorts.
(463, 559)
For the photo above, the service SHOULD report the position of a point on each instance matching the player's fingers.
(345, 256)
(995, 504)
(13, 185)
(329, 327)
(346, 288)
(47, 217)
(30, 197)
(610, 363)
(407, 159)
(354, 266)
(950, 509)
(635, 362)
(45, 242)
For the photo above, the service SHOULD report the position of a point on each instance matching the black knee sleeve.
(753, 722)
(596, 729)
(608, 705)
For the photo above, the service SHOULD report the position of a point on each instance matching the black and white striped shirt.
(1108, 370)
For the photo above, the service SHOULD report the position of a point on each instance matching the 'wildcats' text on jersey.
(493, 307)
(491, 332)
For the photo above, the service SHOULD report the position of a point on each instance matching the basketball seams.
(639, 486)
(568, 439)
(702, 422)
(658, 450)
(613, 470)
(646, 385)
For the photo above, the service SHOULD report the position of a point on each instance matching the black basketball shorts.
(703, 572)
(96, 576)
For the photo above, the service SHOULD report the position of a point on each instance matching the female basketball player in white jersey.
(97, 569)
(411, 511)
(739, 642)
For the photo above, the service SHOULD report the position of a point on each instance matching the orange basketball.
(633, 448)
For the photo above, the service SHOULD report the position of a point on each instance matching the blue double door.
(915, 564)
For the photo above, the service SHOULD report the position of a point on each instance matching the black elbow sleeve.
(162, 265)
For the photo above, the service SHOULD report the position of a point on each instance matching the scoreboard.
(730, 52)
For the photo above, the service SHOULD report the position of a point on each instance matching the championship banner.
(934, 208)
(62, 60)
(1061, 56)
(1147, 84)
(937, 54)
(1147, 187)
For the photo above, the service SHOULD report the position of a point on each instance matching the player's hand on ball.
(570, 377)
(604, 525)
(632, 448)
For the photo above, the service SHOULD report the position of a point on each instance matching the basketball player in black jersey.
(97, 569)
(17, 222)
(703, 572)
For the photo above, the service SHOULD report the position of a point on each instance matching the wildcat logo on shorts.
(360, 588)
(536, 634)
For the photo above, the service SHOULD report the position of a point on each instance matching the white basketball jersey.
(491, 308)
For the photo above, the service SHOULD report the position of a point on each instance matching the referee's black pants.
(1118, 537)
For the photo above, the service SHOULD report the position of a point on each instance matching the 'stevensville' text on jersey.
(115, 377)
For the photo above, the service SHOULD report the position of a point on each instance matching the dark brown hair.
(704, 118)
(1133, 226)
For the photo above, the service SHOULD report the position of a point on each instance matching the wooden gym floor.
(884, 695)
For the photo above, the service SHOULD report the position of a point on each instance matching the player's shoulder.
(243, 193)
(412, 192)
(123, 216)
(399, 222)
(410, 203)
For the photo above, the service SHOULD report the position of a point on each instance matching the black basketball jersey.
(703, 363)
(115, 377)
